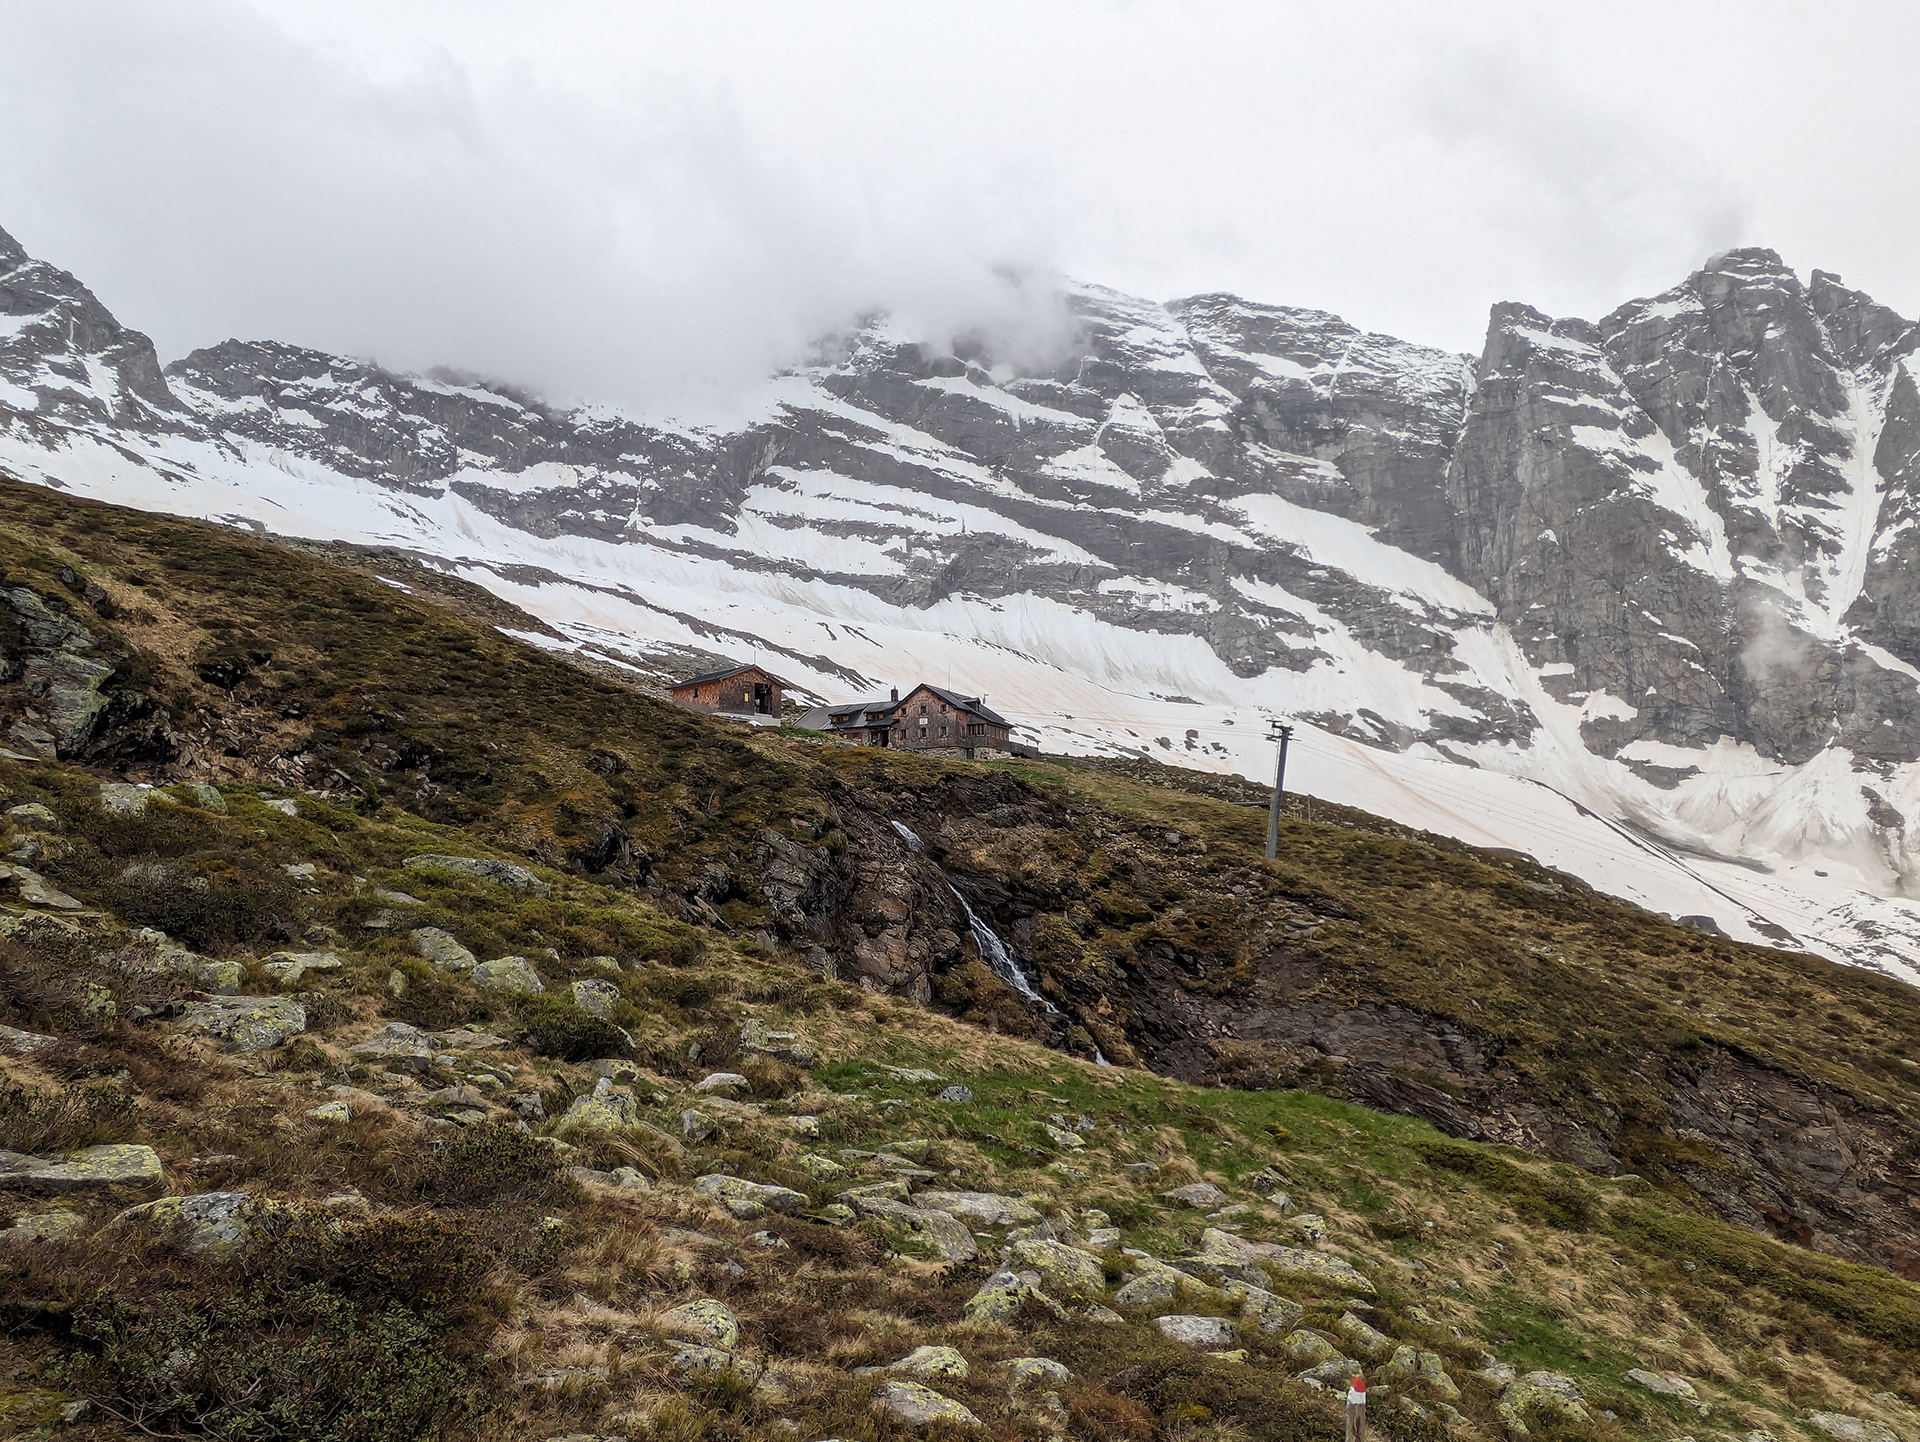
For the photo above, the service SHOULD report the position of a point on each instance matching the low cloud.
(232, 179)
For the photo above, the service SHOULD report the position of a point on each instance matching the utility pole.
(1282, 733)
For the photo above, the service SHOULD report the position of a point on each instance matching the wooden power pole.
(1277, 731)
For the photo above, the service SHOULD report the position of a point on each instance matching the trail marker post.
(1282, 733)
(1357, 1410)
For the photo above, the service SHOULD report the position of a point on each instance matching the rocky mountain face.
(1659, 563)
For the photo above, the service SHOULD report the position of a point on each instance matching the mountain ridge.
(1658, 562)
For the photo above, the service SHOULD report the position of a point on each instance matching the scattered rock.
(25, 1043)
(498, 873)
(119, 798)
(1365, 1340)
(287, 967)
(748, 1200)
(988, 1209)
(33, 817)
(284, 805)
(607, 1108)
(1203, 1333)
(932, 1364)
(1551, 1394)
(770, 1241)
(1223, 1253)
(1310, 1227)
(595, 997)
(397, 1045)
(301, 870)
(1263, 1310)
(1003, 1294)
(214, 1225)
(1196, 1194)
(513, 975)
(1149, 1290)
(697, 1126)
(912, 1074)
(696, 1362)
(1842, 1428)
(1064, 1271)
(248, 1023)
(44, 1227)
(1433, 1371)
(200, 794)
(332, 1112)
(960, 1094)
(1309, 1348)
(722, 1083)
(93, 1166)
(1066, 1140)
(467, 1039)
(918, 1407)
(1666, 1386)
(808, 1126)
(441, 950)
(1025, 1372)
(36, 890)
(706, 1321)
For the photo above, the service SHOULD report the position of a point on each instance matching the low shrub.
(76, 1115)
(488, 1163)
(266, 1364)
(558, 1028)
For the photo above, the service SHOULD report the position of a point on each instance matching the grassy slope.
(1541, 1265)
(516, 747)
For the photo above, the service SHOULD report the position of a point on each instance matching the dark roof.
(966, 703)
(707, 676)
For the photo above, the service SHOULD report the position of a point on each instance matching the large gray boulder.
(479, 868)
(89, 1169)
(247, 1023)
(513, 975)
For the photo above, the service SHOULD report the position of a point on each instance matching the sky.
(656, 205)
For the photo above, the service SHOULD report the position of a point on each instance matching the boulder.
(287, 967)
(398, 1046)
(1552, 1394)
(607, 1108)
(285, 805)
(200, 794)
(1202, 1333)
(932, 1364)
(956, 1093)
(441, 950)
(497, 873)
(1002, 1295)
(947, 1235)
(748, 1200)
(1196, 1194)
(721, 1083)
(331, 1112)
(25, 1043)
(1064, 1271)
(36, 890)
(1148, 1291)
(1842, 1428)
(918, 1407)
(248, 1023)
(697, 1126)
(988, 1209)
(1666, 1386)
(1062, 1138)
(44, 1227)
(694, 1362)
(1035, 1372)
(513, 975)
(33, 817)
(119, 798)
(118, 1165)
(1365, 1340)
(1433, 1372)
(1263, 1310)
(215, 1225)
(1309, 1348)
(1225, 1254)
(596, 997)
(706, 1321)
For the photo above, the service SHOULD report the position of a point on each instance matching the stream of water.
(993, 951)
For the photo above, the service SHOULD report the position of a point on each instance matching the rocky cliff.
(1631, 595)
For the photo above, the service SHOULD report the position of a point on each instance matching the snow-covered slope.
(1635, 596)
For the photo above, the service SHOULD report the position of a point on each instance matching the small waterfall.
(993, 951)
